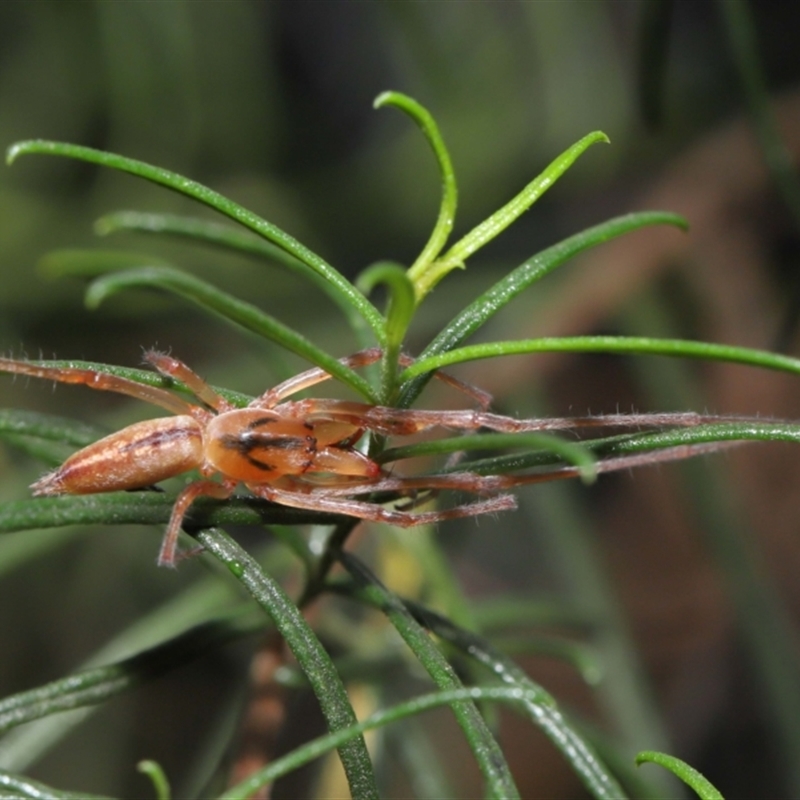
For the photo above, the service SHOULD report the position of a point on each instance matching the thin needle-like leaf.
(230, 308)
(622, 345)
(497, 776)
(689, 775)
(227, 238)
(477, 313)
(538, 703)
(518, 205)
(447, 209)
(399, 312)
(457, 255)
(146, 508)
(22, 786)
(218, 202)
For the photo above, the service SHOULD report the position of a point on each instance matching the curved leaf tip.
(689, 775)
(14, 150)
(154, 771)
(45, 146)
(383, 98)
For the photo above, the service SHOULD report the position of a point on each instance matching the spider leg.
(487, 484)
(174, 368)
(95, 379)
(319, 501)
(463, 481)
(305, 380)
(482, 398)
(401, 421)
(472, 420)
(169, 555)
(312, 377)
(405, 422)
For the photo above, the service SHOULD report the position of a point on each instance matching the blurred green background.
(270, 103)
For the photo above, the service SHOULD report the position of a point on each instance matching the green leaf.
(644, 448)
(714, 433)
(158, 777)
(552, 446)
(538, 704)
(48, 427)
(689, 775)
(230, 308)
(22, 786)
(401, 297)
(147, 508)
(583, 658)
(399, 312)
(227, 238)
(218, 202)
(621, 345)
(504, 291)
(457, 255)
(417, 273)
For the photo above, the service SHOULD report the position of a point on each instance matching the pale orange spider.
(295, 453)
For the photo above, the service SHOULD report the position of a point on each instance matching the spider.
(295, 453)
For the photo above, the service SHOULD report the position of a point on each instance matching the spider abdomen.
(140, 455)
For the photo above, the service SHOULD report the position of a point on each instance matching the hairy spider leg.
(376, 513)
(341, 497)
(311, 377)
(480, 484)
(174, 368)
(104, 381)
(405, 422)
(315, 375)
(168, 555)
(482, 398)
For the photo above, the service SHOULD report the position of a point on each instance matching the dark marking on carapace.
(245, 444)
(155, 439)
(261, 421)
